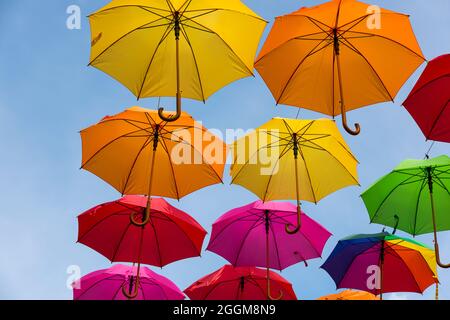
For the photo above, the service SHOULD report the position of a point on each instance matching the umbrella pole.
(342, 103)
(297, 192)
(381, 269)
(177, 29)
(436, 244)
(267, 224)
(130, 293)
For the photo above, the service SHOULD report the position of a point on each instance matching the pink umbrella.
(110, 284)
(243, 234)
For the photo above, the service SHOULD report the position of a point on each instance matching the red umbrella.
(429, 101)
(170, 235)
(238, 283)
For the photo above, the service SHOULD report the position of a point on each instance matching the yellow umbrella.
(339, 56)
(181, 48)
(134, 149)
(294, 159)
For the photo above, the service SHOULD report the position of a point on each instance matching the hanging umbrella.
(429, 101)
(414, 197)
(110, 284)
(124, 150)
(238, 283)
(309, 160)
(170, 234)
(397, 264)
(350, 295)
(243, 234)
(176, 48)
(333, 57)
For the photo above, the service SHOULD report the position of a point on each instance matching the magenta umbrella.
(254, 235)
(110, 284)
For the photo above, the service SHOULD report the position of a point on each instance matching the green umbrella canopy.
(403, 196)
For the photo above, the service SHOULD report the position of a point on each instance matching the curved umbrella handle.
(127, 291)
(345, 125)
(170, 118)
(143, 222)
(299, 223)
(438, 258)
(269, 295)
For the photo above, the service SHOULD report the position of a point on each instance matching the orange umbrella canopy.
(339, 56)
(138, 153)
(350, 295)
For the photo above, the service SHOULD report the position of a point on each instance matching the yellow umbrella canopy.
(339, 56)
(138, 153)
(294, 159)
(182, 48)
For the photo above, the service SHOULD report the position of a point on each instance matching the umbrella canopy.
(109, 284)
(350, 295)
(429, 101)
(381, 263)
(414, 197)
(109, 230)
(238, 283)
(240, 236)
(287, 159)
(175, 48)
(338, 56)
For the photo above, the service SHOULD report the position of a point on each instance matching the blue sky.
(47, 94)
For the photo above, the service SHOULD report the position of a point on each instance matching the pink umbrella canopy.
(109, 284)
(239, 236)
(238, 283)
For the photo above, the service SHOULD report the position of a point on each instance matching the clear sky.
(47, 94)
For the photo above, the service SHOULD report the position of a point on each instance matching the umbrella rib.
(309, 176)
(97, 283)
(391, 40)
(440, 183)
(172, 170)
(156, 240)
(115, 42)
(424, 183)
(164, 37)
(129, 5)
(212, 10)
(116, 250)
(146, 143)
(246, 235)
(256, 284)
(232, 222)
(349, 45)
(441, 112)
(280, 267)
(387, 196)
(118, 213)
(416, 91)
(283, 153)
(228, 46)
(312, 52)
(107, 145)
(183, 31)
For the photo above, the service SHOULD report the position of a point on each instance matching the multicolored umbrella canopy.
(350, 295)
(414, 197)
(137, 153)
(381, 263)
(339, 56)
(289, 159)
(429, 101)
(176, 48)
(110, 284)
(170, 234)
(238, 283)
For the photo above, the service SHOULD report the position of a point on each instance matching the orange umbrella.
(350, 295)
(139, 154)
(339, 56)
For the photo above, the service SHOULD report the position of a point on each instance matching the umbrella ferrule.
(177, 28)
(156, 137)
(294, 137)
(336, 41)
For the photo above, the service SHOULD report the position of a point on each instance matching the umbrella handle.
(436, 244)
(397, 220)
(127, 291)
(345, 125)
(269, 295)
(299, 223)
(438, 258)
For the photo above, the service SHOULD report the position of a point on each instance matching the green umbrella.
(414, 197)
